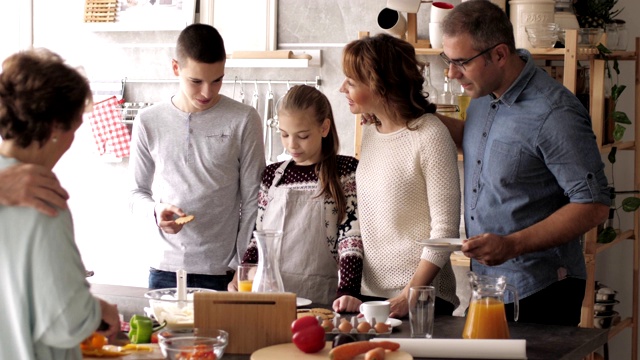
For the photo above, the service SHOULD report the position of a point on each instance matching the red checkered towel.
(111, 135)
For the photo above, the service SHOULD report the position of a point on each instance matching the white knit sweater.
(408, 190)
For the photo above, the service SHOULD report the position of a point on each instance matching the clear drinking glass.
(246, 274)
(421, 305)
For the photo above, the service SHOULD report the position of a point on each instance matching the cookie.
(185, 219)
(317, 312)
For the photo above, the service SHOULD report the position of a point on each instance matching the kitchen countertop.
(544, 342)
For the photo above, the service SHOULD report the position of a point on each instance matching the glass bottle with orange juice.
(486, 318)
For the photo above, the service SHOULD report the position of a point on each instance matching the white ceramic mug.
(435, 35)
(439, 10)
(410, 6)
(393, 22)
(375, 309)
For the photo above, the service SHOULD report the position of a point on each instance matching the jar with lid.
(611, 30)
(565, 18)
(623, 35)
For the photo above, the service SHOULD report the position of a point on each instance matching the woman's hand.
(399, 306)
(110, 317)
(346, 303)
(34, 186)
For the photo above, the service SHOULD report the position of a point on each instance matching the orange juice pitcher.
(486, 318)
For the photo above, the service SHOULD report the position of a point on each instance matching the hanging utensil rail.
(316, 82)
(130, 109)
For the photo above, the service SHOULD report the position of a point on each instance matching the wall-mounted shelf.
(118, 26)
(296, 60)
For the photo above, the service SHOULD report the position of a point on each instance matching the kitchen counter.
(544, 342)
(130, 299)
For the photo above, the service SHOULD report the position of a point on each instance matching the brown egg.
(327, 325)
(345, 326)
(381, 328)
(364, 327)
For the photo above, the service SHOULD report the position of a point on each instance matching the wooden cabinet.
(570, 57)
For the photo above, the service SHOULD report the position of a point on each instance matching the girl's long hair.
(307, 98)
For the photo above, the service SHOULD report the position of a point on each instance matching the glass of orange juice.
(246, 272)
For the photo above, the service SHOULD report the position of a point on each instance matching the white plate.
(445, 244)
(390, 321)
(302, 302)
(393, 322)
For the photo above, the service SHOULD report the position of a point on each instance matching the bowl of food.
(542, 35)
(195, 347)
(589, 37)
(167, 308)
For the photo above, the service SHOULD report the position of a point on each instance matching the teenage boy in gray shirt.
(201, 153)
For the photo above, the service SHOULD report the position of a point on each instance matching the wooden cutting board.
(291, 352)
(253, 320)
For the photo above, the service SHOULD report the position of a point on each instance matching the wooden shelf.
(626, 235)
(621, 145)
(626, 323)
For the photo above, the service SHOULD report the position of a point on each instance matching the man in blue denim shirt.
(533, 176)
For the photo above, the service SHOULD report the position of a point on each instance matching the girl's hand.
(346, 303)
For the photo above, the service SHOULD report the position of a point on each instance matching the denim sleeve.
(568, 145)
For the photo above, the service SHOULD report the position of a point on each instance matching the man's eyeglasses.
(461, 63)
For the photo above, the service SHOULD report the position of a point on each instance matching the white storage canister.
(525, 12)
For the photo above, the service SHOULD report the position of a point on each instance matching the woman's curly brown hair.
(389, 67)
(38, 91)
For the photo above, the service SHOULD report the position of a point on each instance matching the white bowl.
(167, 308)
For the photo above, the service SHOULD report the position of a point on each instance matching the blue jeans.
(159, 279)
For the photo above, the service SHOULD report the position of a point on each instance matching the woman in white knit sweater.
(408, 182)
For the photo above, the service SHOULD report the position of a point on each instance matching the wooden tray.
(253, 320)
(291, 352)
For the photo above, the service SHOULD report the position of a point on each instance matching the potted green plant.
(620, 119)
(595, 13)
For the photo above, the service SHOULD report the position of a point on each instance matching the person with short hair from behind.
(199, 153)
(312, 200)
(534, 179)
(46, 307)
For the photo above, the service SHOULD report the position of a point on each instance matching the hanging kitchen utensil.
(255, 97)
(276, 122)
(268, 122)
(285, 155)
(241, 92)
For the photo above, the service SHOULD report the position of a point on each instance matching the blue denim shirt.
(526, 155)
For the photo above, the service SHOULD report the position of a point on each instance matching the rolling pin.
(277, 54)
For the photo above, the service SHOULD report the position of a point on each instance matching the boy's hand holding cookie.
(165, 218)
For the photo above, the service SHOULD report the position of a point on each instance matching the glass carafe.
(268, 278)
(427, 86)
(486, 318)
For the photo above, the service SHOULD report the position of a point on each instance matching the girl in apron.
(311, 198)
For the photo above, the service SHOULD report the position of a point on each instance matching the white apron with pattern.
(306, 263)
